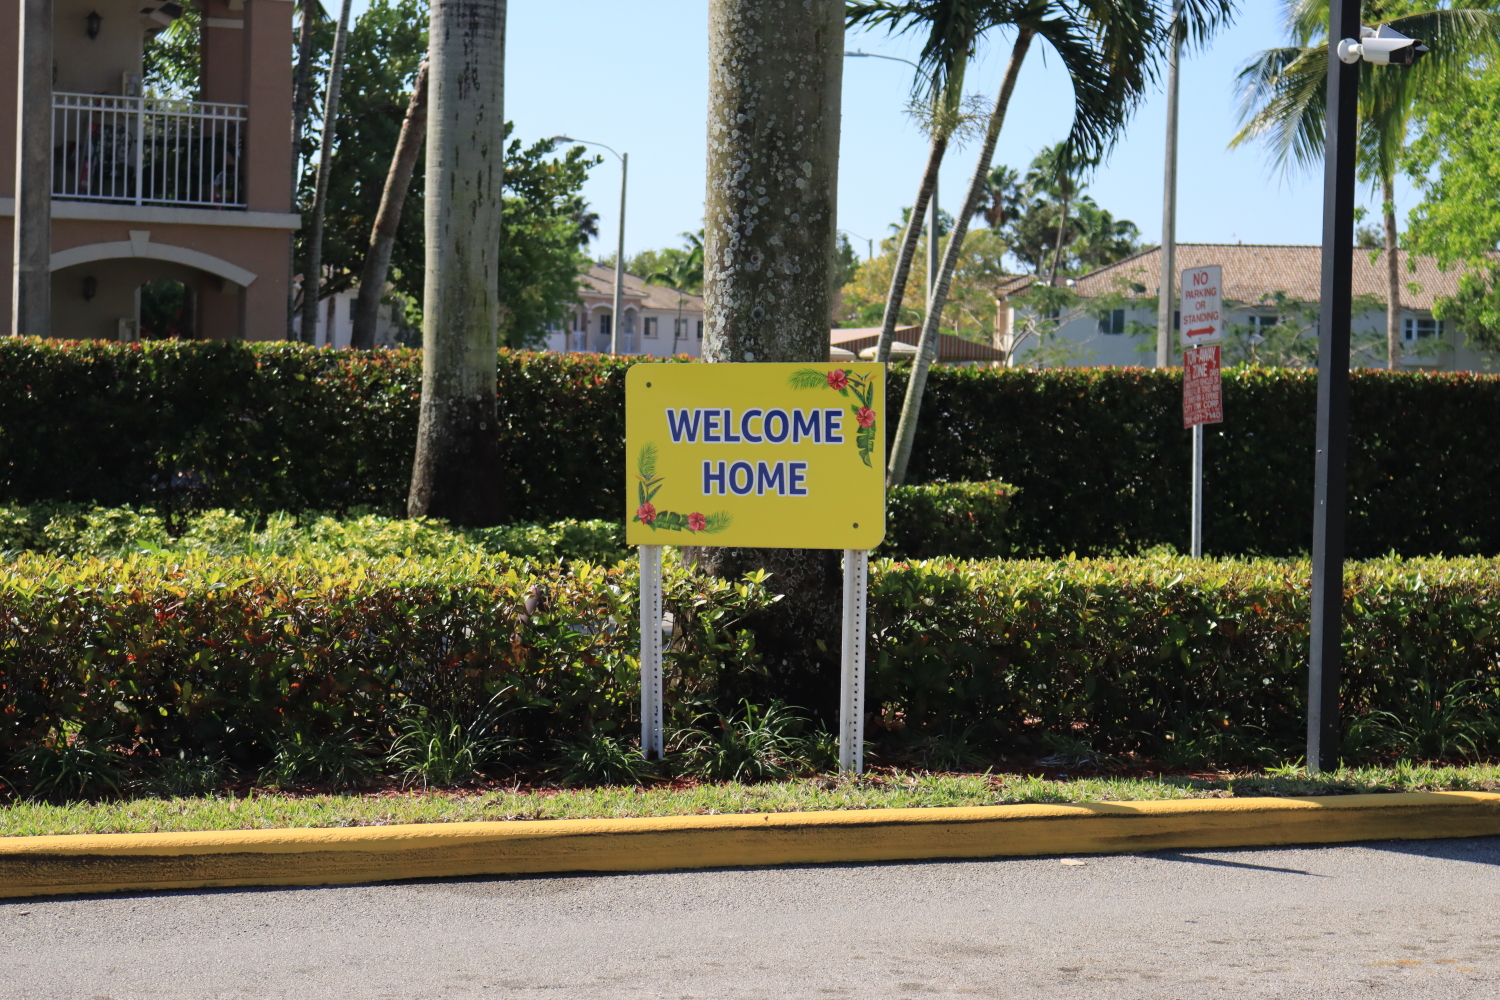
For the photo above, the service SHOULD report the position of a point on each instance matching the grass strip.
(270, 810)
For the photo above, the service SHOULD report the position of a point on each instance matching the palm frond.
(1107, 55)
(952, 27)
(1201, 19)
(645, 462)
(1284, 102)
(807, 378)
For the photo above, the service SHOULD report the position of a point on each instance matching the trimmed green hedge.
(1165, 655)
(1099, 456)
(958, 520)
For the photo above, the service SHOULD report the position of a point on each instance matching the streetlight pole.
(1166, 294)
(932, 203)
(869, 243)
(617, 311)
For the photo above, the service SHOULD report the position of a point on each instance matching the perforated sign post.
(1202, 403)
(756, 456)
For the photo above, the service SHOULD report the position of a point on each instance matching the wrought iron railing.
(147, 150)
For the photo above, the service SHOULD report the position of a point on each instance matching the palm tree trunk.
(908, 251)
(770, 225)
(1392, 278)
(312, 271)
(906, 431)
(456, 473)
(1062, 225)
(299, 119)
(388, 219)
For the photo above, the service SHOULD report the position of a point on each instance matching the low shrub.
(597, 758)
(264, 660)
(754, 744)
(1192, 659)
(339, 760)
(256, 661)
(71, 529)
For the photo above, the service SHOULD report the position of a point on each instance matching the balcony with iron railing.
(147, 151)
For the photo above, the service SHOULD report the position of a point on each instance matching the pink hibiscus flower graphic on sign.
(696, 521)
(838, 379)
(646, 513)
(865, 416)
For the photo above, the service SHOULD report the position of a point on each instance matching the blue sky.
(633, 75)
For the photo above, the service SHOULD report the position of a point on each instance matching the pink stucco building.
(143, 187)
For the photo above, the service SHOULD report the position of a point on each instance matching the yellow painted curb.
(31, 866)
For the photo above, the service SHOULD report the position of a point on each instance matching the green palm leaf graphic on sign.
(845, 383)
(650, 484)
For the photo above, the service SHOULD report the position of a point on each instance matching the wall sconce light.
(90, 288)
(94, 21)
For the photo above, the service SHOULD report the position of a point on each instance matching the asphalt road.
(1386, 919)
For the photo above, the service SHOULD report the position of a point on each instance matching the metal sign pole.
(1197, 491)
(1330, 489)
(852, 682)
(651, 677)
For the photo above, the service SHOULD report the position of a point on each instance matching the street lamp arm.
(556, 139)
(860, 54)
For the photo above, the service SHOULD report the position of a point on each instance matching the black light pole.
(1331, 494)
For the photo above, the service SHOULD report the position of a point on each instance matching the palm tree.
(1110, 49)
(1004, 195)
(950, 42)
(455, 473)
(388, 219)
(1057, 172)
(312, 270)
(1284, 102)
(767, 250)
(680, 273)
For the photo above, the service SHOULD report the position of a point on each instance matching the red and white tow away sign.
(1202, 305)
(1202, 396)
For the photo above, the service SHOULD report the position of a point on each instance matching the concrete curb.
(34, 866)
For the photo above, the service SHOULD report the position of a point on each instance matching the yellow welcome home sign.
(756, 455)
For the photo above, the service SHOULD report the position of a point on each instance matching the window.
(1112, 322)
(679, 329)
(650, 324)
(1417, 328)
(1177, 319)
(700, 329)
(1262, 322)
(604, 324)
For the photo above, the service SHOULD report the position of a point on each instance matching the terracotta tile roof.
(950, 348)
(1252, 272)
(599, 280)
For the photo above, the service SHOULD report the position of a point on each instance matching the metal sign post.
(651, 674)
(757, 456)
(1330, 489)
(1202, 403)
(852, 674)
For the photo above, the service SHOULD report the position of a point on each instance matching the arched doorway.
(168, 310)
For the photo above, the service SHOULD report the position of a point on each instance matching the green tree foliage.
(1032, 208)
(1452, 160)
(546, 219)
(173, 59)
(676, 267)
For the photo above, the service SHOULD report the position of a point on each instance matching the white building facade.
(1254, 278)
(657, 320)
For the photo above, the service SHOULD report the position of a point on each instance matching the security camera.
(1384, 47)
